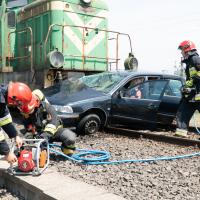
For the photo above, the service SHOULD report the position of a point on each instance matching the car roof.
(129, 74)
(146, 73)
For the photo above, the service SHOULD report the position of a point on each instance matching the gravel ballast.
(177, 179)
(5, 195)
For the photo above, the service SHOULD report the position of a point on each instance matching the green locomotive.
(43, 41)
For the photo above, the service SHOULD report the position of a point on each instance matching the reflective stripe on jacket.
(193, 72)
(2, 136)
(5, 120)
(5, 117)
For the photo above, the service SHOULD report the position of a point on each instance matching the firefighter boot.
(68, 150)
(181, 133)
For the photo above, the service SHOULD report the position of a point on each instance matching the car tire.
(90, 124)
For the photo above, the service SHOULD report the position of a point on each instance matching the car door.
(127, 108)
(170, 101)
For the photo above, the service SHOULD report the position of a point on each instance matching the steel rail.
(154, 136)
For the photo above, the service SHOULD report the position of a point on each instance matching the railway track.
(154, 180)
(177, 179)
(158, 135)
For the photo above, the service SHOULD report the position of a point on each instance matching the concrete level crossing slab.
(52, 185)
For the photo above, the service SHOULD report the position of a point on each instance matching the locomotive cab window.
(11, 19)
(16, 3)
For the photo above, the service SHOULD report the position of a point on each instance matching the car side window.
(173, 88)
(134, 82)
(128, 87)
(148, 90)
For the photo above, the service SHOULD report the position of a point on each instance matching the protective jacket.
(46, 124)
(192, 70)
(5, 121)
(44, 119)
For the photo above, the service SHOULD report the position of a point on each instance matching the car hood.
(86, 94)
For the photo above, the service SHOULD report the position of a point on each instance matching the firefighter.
(191, 90)
(41, 120)
(11, 94)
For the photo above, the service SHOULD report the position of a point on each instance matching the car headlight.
(63, 109)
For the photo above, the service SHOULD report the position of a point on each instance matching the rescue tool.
(33, 157)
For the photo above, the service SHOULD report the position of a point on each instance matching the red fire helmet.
(30, 107)
(20, 95)
(186, 46)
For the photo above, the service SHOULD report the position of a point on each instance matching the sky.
(156, 28)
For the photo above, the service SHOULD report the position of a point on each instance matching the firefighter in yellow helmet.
(191, 90)
(39, 95)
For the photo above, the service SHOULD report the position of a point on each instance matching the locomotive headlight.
(56, 59)
(86, 1)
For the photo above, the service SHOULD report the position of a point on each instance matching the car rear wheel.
(90, 124)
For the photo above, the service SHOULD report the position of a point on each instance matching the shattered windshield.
(103, 82)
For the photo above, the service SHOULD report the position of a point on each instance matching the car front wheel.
(90, 124)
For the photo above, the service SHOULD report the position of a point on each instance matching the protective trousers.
(185, 113)
(66, 136)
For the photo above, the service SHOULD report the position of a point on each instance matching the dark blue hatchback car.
(120, 97)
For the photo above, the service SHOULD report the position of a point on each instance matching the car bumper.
(69, 120)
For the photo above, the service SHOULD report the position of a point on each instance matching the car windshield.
(103, 82)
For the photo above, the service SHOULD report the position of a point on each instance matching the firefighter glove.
(45, 135)
(189, 83)
(186, 90)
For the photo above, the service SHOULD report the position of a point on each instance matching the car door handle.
(151, 106)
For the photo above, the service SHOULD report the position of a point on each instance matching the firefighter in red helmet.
(11, 94)
(191, 90)
(41, 120)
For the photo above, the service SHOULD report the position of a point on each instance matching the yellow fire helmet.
(40, 95)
